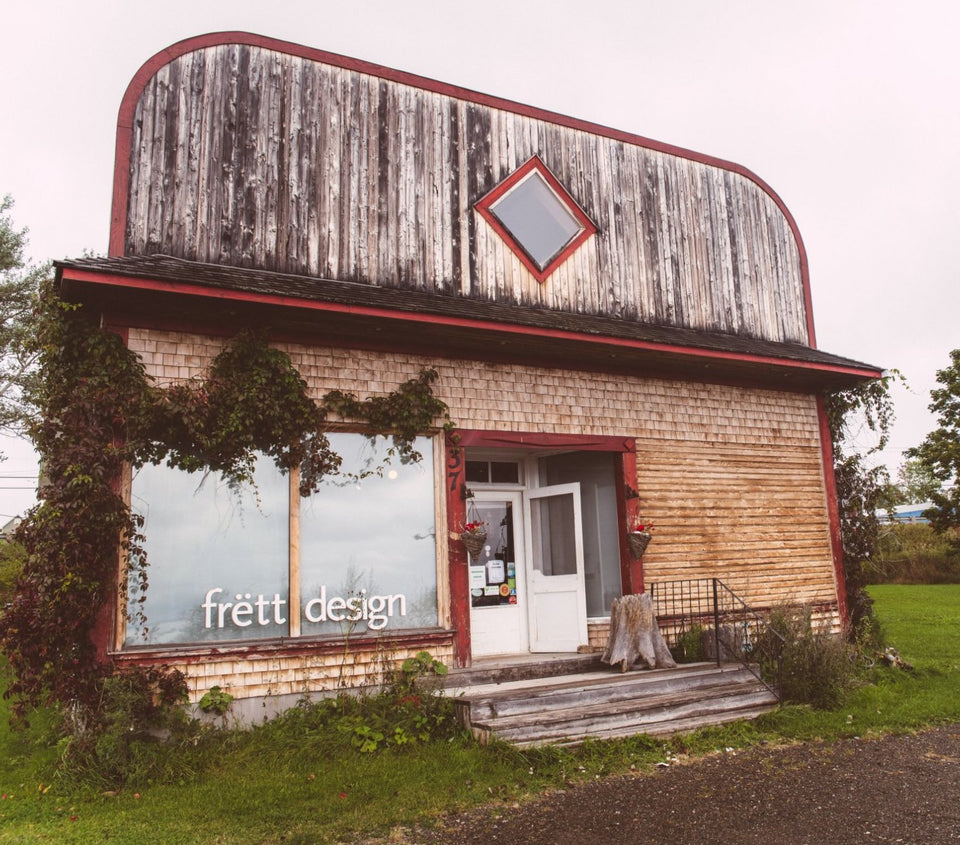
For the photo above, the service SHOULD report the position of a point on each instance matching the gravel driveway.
(894, 789)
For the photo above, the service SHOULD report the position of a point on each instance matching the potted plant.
(639, 536)
(474, 537)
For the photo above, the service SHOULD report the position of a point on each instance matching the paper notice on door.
(478, 578)
(496, 572)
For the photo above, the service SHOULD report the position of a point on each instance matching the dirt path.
(896, 789)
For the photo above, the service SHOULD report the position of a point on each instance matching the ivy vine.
(98, 412)
(860, 485)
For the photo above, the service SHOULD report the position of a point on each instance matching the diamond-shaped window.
(536, 217)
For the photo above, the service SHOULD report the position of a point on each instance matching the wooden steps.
(605, 703)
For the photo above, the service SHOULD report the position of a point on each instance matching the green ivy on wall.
(99, 411)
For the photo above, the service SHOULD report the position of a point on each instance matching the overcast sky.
(848, 109)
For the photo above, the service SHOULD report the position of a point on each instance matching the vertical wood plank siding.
(254, 158)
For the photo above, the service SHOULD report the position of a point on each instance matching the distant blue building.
(905, 513)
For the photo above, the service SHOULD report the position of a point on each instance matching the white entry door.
(556, 595)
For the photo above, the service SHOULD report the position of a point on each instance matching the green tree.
(940, 450)
(862, 489)
(12, 558)
(916, 482)
(19, 285)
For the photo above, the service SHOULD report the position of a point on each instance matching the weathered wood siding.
(250, 157)
(750, 514)
(732, 477)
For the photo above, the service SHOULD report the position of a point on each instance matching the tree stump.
(635, 635)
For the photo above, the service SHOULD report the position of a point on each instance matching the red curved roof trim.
(128, 105)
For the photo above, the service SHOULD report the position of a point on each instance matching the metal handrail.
(706, 617)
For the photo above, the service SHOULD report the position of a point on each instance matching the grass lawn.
(297, 784)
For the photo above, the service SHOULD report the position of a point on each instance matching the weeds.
(818, 666)
(407, 712)
(139, 733)
(689, 645)
(304, 780)
(914, 554)
(216, 701)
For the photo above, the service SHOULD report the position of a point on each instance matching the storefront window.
(220, 562)
(368, 547)
(217, 558)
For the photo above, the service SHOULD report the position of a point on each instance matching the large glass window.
(217, 558)
(368, 547)
(220, 562)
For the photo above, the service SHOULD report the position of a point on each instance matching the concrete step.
(566, 710)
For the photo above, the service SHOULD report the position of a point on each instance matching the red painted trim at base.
(833, 510)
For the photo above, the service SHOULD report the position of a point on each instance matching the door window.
(493, 572)
(555, 542)
(601, 535)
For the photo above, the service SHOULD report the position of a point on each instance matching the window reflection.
(217, 558)
(368, 547)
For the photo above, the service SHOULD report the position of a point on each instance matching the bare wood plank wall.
(249, 157)
(753, 515)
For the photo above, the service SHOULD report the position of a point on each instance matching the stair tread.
(667, 723)
(619, 689)
(566, 709)
(654, 704)
(595, 679)
(573, 738)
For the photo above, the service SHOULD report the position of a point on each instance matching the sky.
(848, 109)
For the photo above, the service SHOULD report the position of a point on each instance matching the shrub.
(914, 554)
(136, 734)
(818, 666)
(689, 646)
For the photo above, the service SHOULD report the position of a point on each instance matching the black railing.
(704, 620)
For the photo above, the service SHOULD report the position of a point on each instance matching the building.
(619, 326)
(913, 513)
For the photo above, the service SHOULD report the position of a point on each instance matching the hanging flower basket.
(639, 535)
(474, 537)
(638, 541)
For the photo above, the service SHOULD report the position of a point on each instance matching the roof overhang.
(163, 292)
